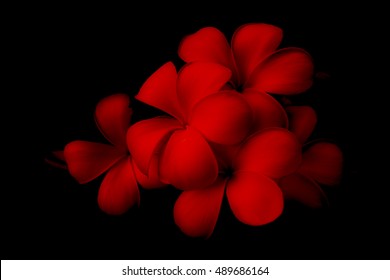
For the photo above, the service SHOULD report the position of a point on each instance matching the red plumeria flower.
(199, 111)
(322, 162)
(257, 67)
(253, 58)
(249, 181)
(88, 160)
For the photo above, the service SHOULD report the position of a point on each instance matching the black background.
(67, 59)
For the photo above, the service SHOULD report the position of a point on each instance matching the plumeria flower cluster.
(224, 134)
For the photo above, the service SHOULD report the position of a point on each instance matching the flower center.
(227, 172)
(237, 87)
(240, 88)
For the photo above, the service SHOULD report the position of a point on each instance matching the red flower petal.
(274, 152)
(254, 199)
(267, 112)
(209, 45)
(146, 137)
(113, 115)
(198, 80)
(187, 161)
(303, 120)
(323, 162)
(87, 160)
(159, 91)
(287, 71)
(196, 212)
(301, 188)
(152, 181)
(223, 117)
(251, 43)
(118, 191)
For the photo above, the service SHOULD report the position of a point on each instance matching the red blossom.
(249, 180)
(88, 160)
(253, 58)
(199, 112)
(257, 66)
(321, 162)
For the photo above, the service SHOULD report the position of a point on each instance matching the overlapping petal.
(187, 161)
(208, 44)
(267, 112)
(196, 211)
(274, 152)
(152, 180)
(303, 189)
(146, 137)
(87, 160)
(223, 117)
(251, 43)
(198, 80)
(113, 115)
(287, 71)
(323, 162)
(119, 190)
(159, 91)
(254, 199)
(302, 121)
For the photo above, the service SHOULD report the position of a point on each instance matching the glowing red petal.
(152, 181)
(251, 43)
(223, 117)
(254, 199)
(146, 137)
(274, 152)
(267, 112)
(113, 115)
(303, 189)
(287, 71)
(187, 161)
(87, 160)
(159, 91)
(323, 162)
(196, 211)
(302, 121)
(118, 191)
(198, 80)
(209, 45)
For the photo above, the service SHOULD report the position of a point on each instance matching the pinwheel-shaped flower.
(257, 67)
(88, 160)
(249, 181)
(252, 58)
(199, 111)
(322, 162)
